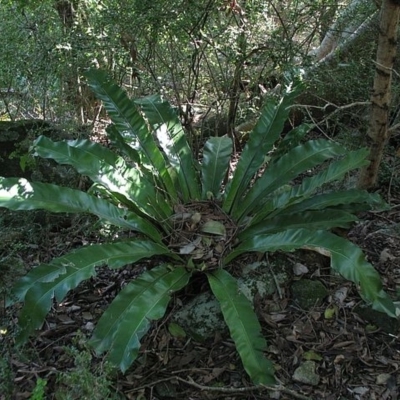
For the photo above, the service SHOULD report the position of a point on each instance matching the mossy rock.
(305, 373)
(201, 318)
(308, 293)
(16, 137)
(378, 319)
(214, 125)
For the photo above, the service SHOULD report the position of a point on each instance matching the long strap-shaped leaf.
(216, 155)
(118, 140)
(243, 325)
(292, 139)
(107, 169)
(335, 171)
(42, 284)
(126, 118)
(350, 198)
(261, 140)
(128, 318)
(19, 194)
(172, 139)
(346, 258)
(313, 220)
(286, 168)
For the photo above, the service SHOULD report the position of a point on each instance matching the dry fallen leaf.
(330, 312)
(381, 379)
(214, 227)
(386, 256)
(341, 294)
(300, 269)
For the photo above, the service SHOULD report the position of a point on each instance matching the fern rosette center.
(202, 233)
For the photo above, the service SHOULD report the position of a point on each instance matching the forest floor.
(355, 352)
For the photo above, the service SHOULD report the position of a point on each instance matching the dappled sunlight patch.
(20, 189)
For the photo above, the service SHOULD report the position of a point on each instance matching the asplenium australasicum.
(187, 213)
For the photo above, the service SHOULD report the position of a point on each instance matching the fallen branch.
(191, 382)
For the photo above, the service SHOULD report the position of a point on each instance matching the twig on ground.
(191, 382)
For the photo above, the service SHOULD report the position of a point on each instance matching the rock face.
(201, 318)
(305, 373)
(308, 293)
(15, 139)
(214, 125)
(378, 319)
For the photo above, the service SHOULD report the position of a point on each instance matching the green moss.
(308, 293)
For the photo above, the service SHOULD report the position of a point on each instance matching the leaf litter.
(355, 357)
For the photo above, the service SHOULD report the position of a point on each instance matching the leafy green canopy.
(192, 216)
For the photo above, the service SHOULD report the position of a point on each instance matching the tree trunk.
(380, 99)
(351, 22)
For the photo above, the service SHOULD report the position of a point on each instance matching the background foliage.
(212, 59)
